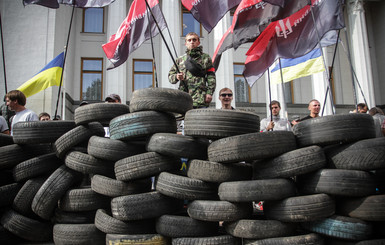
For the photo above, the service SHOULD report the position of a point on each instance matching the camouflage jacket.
(197, 87)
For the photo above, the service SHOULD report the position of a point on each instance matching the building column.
(115, 79)
(276, 94)
(360, 51)
(171, 11)
(319, 86)
(225, 72)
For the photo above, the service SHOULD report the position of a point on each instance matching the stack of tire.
(320, 184)
(44, 176)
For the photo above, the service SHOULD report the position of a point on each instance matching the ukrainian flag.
(49, 76)
(298, 67)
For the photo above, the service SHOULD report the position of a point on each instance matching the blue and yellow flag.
(49, 76)
(298, 67)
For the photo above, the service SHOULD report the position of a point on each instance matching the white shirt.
(280, 124)
(24, 116)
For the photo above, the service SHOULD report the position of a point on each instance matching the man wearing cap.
(113, 98)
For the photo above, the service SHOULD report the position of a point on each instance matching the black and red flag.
(250, 18)
(76, 3)
(209, 12)
(134, 31)
(293, 36)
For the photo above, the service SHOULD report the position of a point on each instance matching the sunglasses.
(228, 95)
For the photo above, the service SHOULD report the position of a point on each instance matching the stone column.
(360, 51)
(319, 86)
(116, 79)
(225, 73)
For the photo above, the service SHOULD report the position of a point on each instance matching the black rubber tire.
(217, 123)
(99, 112)
(110, 225)
(341, 227)
(161, 99)
(23, 200)
(218, 210)
(115, 188)
(8, 193)
(338, 182)
(308, 239)
(37, 166)
(143, 206)
(88, 164)
(300, 208)
(62, 217)
(362, 155)
(82, 234)
(290, 164)
(372, 242)
(218, 172)
(141, 124)
(26, 228)
(182, 187)
(184, 226)
(259, 229)
(112, 150)
(256, 190)
(334, 129)
(11, 155)
(176, 145)
(253, 146)
(76, 136)
(5, 140)
(83, 199)
(145, 239)
(214, 240)
(144, 165)
(40, 131)
(45, 200)
(371, 208)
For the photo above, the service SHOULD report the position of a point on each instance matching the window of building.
(93, 20)
(242, 89)
(91, 79)
(189, 23)
(143, 74)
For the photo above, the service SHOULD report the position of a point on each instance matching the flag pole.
(269, 82)
(64, 61)
(324, 61)
(2, 51)
(283, 89)
(161, 34)
(331, 70)
(153, 53)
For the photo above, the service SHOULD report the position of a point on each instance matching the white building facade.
(34, 35)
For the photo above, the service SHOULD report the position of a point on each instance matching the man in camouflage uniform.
(198, 79)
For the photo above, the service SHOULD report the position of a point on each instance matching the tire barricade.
(239, 186)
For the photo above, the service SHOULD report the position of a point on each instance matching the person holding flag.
(195, 72)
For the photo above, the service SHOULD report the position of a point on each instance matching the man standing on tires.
(195, 73)
(16, 101)
(277, 123)
(314, 108)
